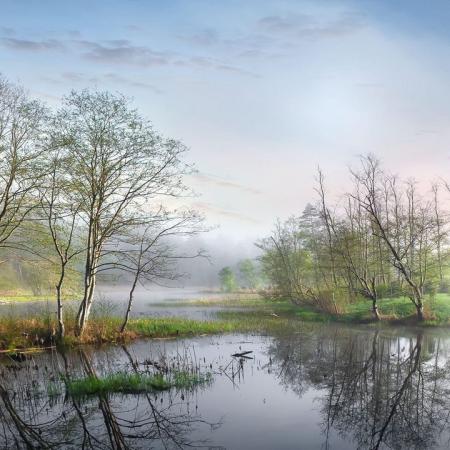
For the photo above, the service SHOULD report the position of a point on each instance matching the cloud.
(129, 82)
(307, 26)
(7, 31)
(28, 45)
(217, 181)
(74, 33)
(78, 77)
(132, 27)
(212, 63)
(122, 51)
(204, 38)
(210, 208)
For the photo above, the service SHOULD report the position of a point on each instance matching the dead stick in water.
(240, 355)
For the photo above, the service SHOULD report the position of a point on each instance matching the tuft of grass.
(134, 383)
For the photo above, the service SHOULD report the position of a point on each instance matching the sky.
(261, 91)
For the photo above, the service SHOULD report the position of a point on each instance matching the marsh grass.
(40, 331)
(17, 333)
(397, 310)
(135, 383)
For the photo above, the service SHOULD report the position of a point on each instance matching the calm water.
(113, 300)
(315, 387)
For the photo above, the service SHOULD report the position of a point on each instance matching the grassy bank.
(392, 310)
(17, 334)
(254, 316)
(398, 310)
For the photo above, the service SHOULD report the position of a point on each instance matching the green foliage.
(288, 261)
(227, 279)
(249, 274)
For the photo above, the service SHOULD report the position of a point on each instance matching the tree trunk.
(89, 289)
(375, 312)
(419, 308)
(85, 307)
(61, 327)
(130, 303)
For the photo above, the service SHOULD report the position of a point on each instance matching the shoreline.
(39, 333)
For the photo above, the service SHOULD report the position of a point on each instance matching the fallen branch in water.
(242, 354)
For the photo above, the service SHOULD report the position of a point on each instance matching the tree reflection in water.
(374, 389)
(33, 417)
(380, 390)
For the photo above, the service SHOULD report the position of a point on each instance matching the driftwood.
(242, 355)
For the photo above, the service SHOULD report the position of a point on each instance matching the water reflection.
(380, 390)
(34, 415)
(317, 387)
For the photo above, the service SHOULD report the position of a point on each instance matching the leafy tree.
(22, 135)
(249, 274)
(120, 169)
(227, 279)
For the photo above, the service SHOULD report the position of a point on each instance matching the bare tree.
(149, 256)
(351, 247)
(358, 252)
(22, 126)
(61, 216)
(328, 222)
(404, 223)
(118, 165)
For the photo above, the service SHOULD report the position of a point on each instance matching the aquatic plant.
(134, 383)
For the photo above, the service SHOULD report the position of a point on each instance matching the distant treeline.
(81, 195)
(247, 274)
(384, 238)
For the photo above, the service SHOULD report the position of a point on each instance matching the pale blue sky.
(261, 91)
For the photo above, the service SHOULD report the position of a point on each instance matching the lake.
(314, 386)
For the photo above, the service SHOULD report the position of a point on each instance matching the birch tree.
(117, 166)
(63, 223)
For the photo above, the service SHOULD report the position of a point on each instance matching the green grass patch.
(437, 309)
(162, 327)
(17, 333)
(134, 383)
(392, 310)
